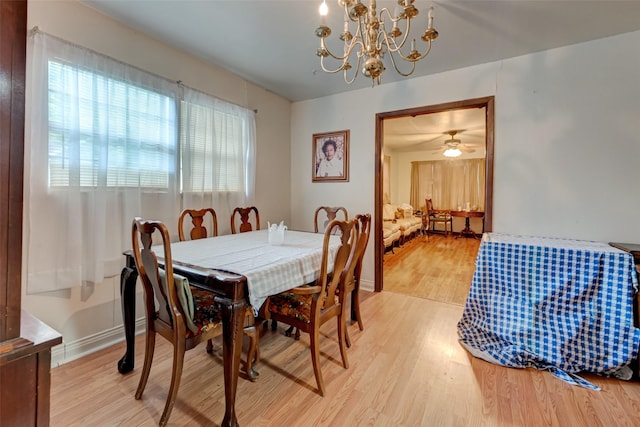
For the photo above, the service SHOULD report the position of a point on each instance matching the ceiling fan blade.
(466, 149)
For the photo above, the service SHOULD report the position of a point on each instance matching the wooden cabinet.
(25, 372)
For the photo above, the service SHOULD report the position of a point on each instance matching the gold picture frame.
(330, 156)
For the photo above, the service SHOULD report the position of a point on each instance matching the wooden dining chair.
(199, 231)
(309, 307)
(330, 214)
(244, 215)
(352, 282)
(438, 216)
(181, 313)
(198, 227)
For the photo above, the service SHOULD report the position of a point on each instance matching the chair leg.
(355, 308)
(176, 374)
(342, 337)
(290, 330)
(148, 358)
(209, 346)
(315, 358)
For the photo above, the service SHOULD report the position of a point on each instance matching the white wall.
(90, 317)
(566, 140)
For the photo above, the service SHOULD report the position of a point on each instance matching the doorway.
(487, 104)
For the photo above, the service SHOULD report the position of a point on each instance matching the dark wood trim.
(485, 102)
(13, 39)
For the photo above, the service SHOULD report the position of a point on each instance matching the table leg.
(128, 279)
(232, 323)
(467, 229)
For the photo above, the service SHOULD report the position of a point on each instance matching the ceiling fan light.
(452, 152)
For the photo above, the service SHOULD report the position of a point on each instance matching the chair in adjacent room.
(438, 217)
(309, 307)
(352, 283)
(244, 215)
(330, 213)
(199, 228)
(183, 314)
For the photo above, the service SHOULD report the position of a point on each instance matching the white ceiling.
(272, 42)
(428, 132)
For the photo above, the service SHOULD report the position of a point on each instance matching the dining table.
(239, 269)
(556, 304)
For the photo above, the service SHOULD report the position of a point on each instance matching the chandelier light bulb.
(324, 9)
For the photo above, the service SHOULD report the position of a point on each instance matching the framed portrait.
(330, 152)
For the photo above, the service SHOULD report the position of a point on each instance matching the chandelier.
(371, 41)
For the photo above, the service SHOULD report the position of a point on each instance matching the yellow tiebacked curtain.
(451, 184)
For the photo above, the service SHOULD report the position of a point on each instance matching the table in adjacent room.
(467, 231)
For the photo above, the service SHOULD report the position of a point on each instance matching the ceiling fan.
(454, 147)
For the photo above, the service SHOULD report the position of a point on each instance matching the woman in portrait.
(331, 164)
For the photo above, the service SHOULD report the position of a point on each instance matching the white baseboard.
(367, 285)
(69, 351)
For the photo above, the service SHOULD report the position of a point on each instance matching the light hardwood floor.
(439, 268)
(406, 369)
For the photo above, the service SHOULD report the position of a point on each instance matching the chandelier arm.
(330, 71)
(392, 45)
(391, 18)
(395, 66)
(418, 58)
(355, 74)
(323, 46)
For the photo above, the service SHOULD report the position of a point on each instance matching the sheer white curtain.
(101, 146)
(450, 184)
(218, 148)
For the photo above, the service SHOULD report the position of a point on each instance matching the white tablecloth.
(269, 269)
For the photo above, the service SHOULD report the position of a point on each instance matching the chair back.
(429, 206)
(168, 310)
(332, 285)
(364, 225)
(330, 212)
(245, 221)
(198, 227)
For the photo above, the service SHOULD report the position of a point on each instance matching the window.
(103, 131)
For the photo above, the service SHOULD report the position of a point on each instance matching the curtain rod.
(35, 30)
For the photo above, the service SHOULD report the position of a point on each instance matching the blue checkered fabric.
(560, 305)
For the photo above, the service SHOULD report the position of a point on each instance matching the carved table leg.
(128, 279)
(232, 324)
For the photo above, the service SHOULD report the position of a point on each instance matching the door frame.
(485, 102)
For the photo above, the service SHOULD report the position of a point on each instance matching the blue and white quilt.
(560, 305)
